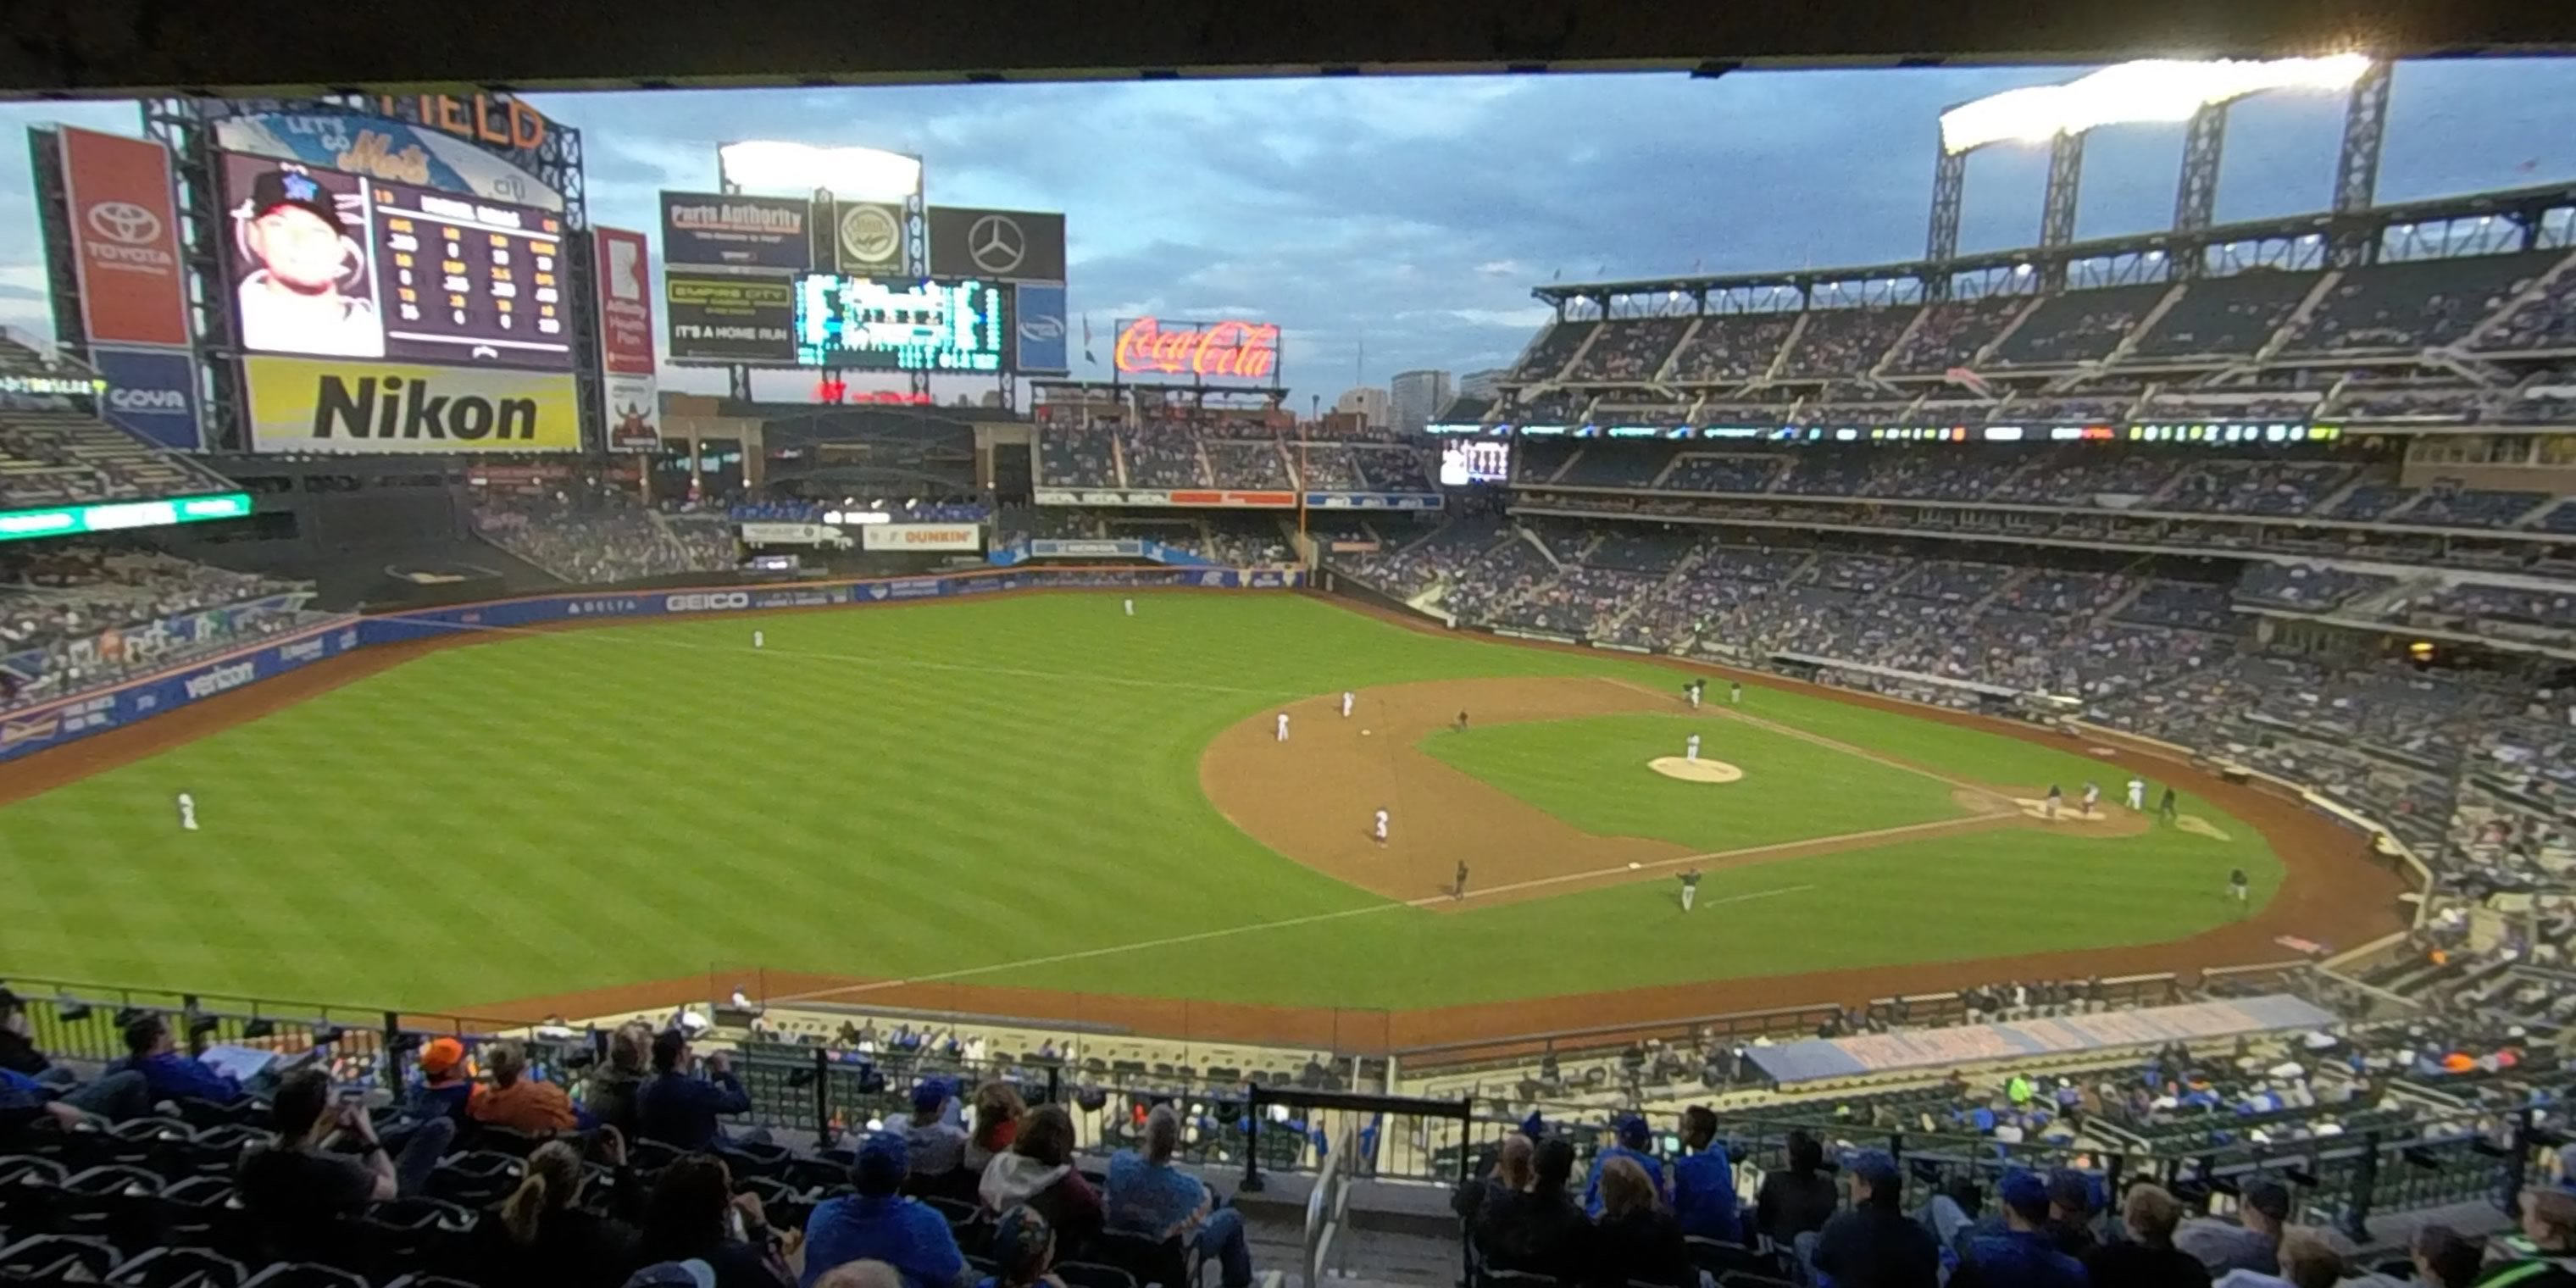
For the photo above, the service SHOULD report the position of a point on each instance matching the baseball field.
(1042, 792)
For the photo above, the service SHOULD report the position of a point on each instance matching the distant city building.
(1369, 404)
(1486, 384)
(1416, 397)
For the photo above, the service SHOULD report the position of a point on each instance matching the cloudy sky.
(1390, 224)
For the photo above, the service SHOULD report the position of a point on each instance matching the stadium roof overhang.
(118, 48)
(2522, 203)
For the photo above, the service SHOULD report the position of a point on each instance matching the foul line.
(923, 664)
(1202, 936)
(1818, 739)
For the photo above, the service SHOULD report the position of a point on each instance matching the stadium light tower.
(2148, 90)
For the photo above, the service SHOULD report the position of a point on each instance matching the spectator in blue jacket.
(167, 1075)
(1704, 1195)
(1634, 1142)
(880, 1224)
(2025, 1255)
(679, 1109)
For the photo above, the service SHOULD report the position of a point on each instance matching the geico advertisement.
(326, 405)
(922, 536)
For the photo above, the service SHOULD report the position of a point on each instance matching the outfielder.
(2092, 797)
(187, 812)
(1346, 704)
(1283, 726)
(1735, 693)
(1690, 888)
(1690, 748)
(1131, 607)
(1381, 827)
(2138, 795)
(759, 640)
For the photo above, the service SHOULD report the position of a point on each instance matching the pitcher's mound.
(1695, 771)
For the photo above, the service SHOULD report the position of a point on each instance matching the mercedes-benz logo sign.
(123, 221)
(996, 243)
(869, 234)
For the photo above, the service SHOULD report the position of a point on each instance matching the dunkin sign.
(1199, 350)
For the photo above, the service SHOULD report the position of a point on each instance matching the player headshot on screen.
(308, 293)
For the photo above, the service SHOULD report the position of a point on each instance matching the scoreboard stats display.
(331, 264)
(1475, 460)
(902, 324)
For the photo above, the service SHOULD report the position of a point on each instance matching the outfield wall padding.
(67, 720)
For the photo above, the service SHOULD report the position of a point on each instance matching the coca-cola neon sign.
(1223, 350)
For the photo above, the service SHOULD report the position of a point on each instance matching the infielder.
(1381, 827)
(2138, 795)
(759, 640)
(1346, 704)
(2165, 806)
(2092, 797)
(1283, 726)
(2056, 794)
(187, 812)
(1691, 691)
(1735, 693)
(1690, 748)
(1459, 891)
(2238, 889)
(1690, 888)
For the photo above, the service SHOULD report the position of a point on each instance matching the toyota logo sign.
(123, 221)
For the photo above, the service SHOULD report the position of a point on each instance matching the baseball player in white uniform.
(1131, 607)
(1283, 726)
(2092, 797)
(759, 640)
(1381, 827)
(2138, 795)
(187, 812)
(1346, 704)
(1692, 689)
(1690, 749)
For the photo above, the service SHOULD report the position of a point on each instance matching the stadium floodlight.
(856, 174)
(2155, 89)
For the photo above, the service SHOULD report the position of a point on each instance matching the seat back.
(1087, 1274)
(1149, 1260)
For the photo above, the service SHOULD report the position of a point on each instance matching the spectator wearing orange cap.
(518, 1101)
(447, 1084)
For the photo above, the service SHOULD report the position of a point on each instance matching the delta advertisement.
(384, 408)
(125, 239)
(52, 725)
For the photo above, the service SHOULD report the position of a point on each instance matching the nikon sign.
(341, 405)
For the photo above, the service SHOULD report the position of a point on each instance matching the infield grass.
(966, 788)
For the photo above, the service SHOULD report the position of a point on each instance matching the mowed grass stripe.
(563, 810)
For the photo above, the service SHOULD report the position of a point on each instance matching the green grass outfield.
(961, 787)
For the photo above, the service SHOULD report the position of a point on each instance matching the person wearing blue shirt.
(679, 1110)
(2024, 1255)
(1704, 1195)
(1634, 1141)
(168, 1075)
(879, 1224)
(1149, 1196)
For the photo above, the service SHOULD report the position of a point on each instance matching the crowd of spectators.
(2416, 304)
(802, 511)
(2234, 315)
(602, 538)
(1845, 342)
(1178, 454)
(2078, 326)
(73, 617)
(1732, 347)
(1632, 350)
(1954, 333)
(64, 458)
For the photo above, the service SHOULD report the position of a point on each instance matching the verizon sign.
(922, 536)
(1199, 350)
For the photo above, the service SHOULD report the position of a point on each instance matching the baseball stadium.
(2043, 766)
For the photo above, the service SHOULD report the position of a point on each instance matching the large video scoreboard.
(331, 264)
(902, 324)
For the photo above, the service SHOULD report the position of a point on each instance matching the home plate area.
(1695, 771)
